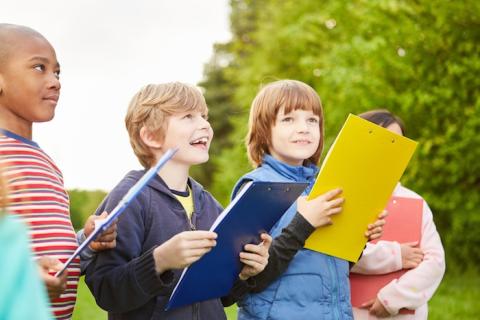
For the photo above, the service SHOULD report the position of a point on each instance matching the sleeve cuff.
(398, 257)
(384, 297)
(148, 279)
(301, 227)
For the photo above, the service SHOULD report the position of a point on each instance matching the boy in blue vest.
(165, 228)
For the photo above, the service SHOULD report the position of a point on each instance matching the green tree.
(83, 203)
(420, 59)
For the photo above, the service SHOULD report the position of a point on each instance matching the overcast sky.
(108, 49)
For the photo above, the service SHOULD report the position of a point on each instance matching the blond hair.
(150, 108)
(290, 95)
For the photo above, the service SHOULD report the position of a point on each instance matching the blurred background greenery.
(420, 59)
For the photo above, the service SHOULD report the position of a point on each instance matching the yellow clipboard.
(366, 161)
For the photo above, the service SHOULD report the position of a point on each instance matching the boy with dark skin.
(29, 92)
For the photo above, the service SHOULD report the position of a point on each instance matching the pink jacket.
(415, 287)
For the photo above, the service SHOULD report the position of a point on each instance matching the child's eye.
(39, 67)
(287, 119)
(313, 120)
(188, 116)
(57, 73)
(205, 116)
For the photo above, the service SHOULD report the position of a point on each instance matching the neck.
(13, 123)
(175, 175)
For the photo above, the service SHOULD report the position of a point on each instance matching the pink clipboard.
(404, 224)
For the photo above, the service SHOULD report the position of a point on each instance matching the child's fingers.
(417, 251)
(196, 253)
(55, 285)
(247, 256)
(199, 244)
(254, 266)
(255, 248)
(331, 194)
(336, 202)
(107, 237)
(266, 240)
(411, 244)
(103, 245)
(103, 215)
(334, 211)
(383, 214)
(367, 304)
(197, 235)
(111, 229)
(374, 233)
(377, 223)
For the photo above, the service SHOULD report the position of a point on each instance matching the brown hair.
(150, 108)
(383, 118)
(290, 95)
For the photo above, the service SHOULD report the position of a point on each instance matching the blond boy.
(163, 229)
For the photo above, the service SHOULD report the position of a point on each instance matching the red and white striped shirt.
(37, 195)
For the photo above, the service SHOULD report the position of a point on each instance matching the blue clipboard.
(122, 204)
(256, 209)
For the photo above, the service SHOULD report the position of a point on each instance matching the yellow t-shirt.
(186, 200)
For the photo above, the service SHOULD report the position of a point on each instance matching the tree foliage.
(83, 203)
(420, 59)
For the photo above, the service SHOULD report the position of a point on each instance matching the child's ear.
(149, 138)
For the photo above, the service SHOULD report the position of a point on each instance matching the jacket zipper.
(335, 287)
(195, 306)
(196, 309)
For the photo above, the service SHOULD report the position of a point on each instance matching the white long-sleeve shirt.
(414, 288)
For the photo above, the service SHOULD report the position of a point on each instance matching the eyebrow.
(43, 59)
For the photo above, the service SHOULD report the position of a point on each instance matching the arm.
(255, 258)
(310, 214)
(417, 285)
(125, 278)
(380, 258)
(105, 241)
(283, 250)
(87, 255)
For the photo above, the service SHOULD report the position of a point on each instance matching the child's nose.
(54, 82)
(302, 126)
(205, 124)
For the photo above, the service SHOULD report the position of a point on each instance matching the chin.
(45, 117)
(199, 160)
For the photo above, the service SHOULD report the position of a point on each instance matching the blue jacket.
(123, 280)
(315, 285)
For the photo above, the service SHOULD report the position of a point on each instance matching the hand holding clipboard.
(117, 211)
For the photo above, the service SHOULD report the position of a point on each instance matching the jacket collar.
(158, 184)
(295, 173)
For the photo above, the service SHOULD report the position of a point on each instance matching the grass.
(86, 307)
(456, 298)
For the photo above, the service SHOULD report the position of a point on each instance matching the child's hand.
(376, 308)
(318, 211)
(183, 249)
(411, 256)
(375, 230)
(55, 285)
(107, 239)
(255, 258)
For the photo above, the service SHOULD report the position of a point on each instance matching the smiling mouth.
(203, 141)
(52, 99)
(301, 142)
